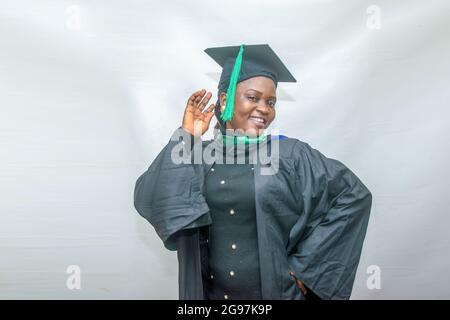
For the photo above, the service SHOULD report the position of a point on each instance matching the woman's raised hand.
(196, 118)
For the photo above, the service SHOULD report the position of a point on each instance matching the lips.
(260, 122)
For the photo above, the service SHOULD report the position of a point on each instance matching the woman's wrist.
(187, 130)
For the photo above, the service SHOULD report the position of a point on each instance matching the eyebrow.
(271, 97)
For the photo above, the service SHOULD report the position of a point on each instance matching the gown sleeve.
(332, 228)
(168, 195)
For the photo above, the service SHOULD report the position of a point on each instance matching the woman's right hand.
(196, 119)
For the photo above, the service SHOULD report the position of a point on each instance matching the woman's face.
(254, 105)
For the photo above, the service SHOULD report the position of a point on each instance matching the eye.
(251, 98)
(271, 103)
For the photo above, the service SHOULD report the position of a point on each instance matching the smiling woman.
(239, 232)
(253, 95)
(255, 105)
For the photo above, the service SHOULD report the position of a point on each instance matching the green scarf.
(242, 139)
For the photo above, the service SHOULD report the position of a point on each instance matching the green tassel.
(227, 114)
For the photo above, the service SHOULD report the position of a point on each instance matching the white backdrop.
(90, 91)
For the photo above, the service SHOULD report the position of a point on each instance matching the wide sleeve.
(335, 213)
(169, 194)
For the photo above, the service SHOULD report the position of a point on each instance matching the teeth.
(258, 119)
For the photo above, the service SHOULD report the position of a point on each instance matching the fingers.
(302, 287)
(202, 104)
(210, 110)
(199, 99)
(209, 113)
(194, 96)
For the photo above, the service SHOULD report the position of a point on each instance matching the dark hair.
(220, 123)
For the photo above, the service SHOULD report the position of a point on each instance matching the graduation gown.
(311, 218)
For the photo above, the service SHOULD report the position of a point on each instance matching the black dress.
(232, 270)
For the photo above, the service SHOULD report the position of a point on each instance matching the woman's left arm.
(337, 208)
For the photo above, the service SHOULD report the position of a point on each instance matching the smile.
(258, 121)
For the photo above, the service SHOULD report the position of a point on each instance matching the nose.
(262, 107)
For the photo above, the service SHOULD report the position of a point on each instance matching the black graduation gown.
(311, 217)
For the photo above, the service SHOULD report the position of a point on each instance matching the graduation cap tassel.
(227, 114)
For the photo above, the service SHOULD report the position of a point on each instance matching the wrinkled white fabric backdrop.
(90, 91)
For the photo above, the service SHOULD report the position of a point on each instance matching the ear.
(223, 101)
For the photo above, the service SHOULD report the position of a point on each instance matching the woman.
(242, 231)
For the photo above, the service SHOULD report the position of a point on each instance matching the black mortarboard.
(257, 60)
